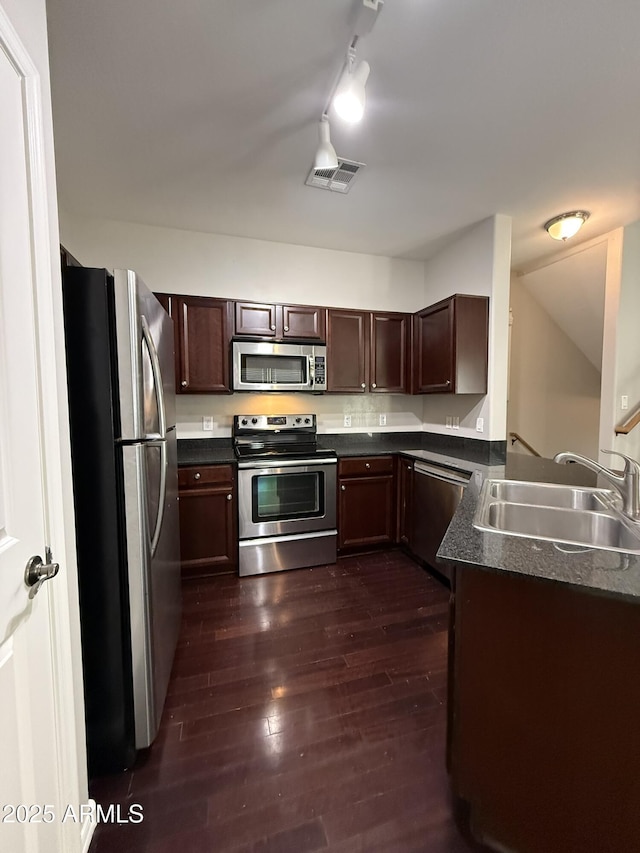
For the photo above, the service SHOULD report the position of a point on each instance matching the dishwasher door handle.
(446, 476)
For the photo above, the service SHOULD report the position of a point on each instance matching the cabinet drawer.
(205, 475)
(358, 466)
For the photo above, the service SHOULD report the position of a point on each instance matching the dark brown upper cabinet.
(389, 350)
(347, 351)
(451, 341)
(367, 351)
(201, 327)
(263, 320)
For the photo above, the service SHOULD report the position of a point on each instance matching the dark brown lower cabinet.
(544, 740)
(366, 502)
(208, 520)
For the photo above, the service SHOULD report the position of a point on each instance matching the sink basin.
(550, 494)
(567, 514)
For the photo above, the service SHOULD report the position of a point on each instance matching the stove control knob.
(254, 420)
(244, 422)
(298, 420)
(307, 420)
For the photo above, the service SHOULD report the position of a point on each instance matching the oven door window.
(274, 369)
(281, 497)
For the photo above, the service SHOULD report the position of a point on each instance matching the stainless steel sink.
(587, 517)
(550, 494)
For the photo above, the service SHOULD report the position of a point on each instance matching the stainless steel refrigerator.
(121, 386)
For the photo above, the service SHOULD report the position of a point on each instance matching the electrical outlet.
(456, 423)
(449, 422)
(382, 420)
(207, 423)
(479, 424)
(624, 402)
(347, 420)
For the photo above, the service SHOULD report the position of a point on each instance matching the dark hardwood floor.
(306, 711)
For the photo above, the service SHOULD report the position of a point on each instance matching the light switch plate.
(479, 424)
(383, 420)
(624, 402)
(347, 420)
(207, 423)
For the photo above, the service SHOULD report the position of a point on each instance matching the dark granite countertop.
(604, 572)
(205, 451)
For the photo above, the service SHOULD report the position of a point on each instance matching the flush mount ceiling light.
(325, 153)
(566, 224)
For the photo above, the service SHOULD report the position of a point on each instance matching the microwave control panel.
(320, 370)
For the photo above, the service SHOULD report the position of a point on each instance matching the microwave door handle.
(311, 371)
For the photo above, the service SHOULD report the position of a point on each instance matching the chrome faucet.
(627, 483)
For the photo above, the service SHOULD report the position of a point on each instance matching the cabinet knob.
(373, 385)
(343, 488)
(367, 465)
(273, 328)
(184, 383)
(363, 385)
(197, 475)
(286, 328)
(229, 497)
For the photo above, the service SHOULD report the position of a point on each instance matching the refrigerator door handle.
(163, 496)
(157, 376)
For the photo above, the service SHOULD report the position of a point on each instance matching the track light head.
(326, 157)
(350, 97)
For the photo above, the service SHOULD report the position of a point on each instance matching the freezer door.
(150, 483)
(146, 372)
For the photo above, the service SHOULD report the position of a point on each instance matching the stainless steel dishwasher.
(437, 493)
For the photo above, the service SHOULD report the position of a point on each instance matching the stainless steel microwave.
(279, 366)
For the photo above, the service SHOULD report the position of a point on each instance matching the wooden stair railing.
(514, 436)
(632, 421)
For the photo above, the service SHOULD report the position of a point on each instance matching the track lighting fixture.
(325, 153)
(566, 224)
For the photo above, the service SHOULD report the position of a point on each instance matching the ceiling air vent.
(338, 180)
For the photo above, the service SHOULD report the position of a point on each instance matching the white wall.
(621, 365)
(478, 263)
(217, 265)
(240, 268)
(192, 262)
(554, 389)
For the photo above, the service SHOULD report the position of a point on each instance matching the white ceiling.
(572, 291)
(202, 115)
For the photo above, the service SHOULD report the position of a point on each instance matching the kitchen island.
(543, 733)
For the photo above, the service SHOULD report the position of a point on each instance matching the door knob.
(37, 572)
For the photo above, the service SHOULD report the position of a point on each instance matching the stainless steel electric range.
(286, 494)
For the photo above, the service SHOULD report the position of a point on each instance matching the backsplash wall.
(404, 413)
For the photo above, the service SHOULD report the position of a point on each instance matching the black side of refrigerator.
(92, 376)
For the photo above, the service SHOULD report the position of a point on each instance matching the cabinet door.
(366, 511)
(434, 354)
(347, 351)
(303, 321)
(203, 344)
(208, 540)
(256, 319)
(389, 333)
(405, 501)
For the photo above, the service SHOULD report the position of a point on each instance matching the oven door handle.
(258, 464)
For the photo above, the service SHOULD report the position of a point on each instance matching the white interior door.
(30, 720)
